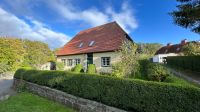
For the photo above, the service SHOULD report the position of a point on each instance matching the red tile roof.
(170, 49)
(107, 37)
(176, 48)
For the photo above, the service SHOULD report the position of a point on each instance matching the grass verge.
(28, 102)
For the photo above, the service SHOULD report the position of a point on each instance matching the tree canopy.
(188, 14)
(191, 49)
(15, 53)
(11, 53)
(37, 53)
(129, 60)
(131, 53)
(147, 50)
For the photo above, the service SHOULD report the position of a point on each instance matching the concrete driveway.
(6, 87)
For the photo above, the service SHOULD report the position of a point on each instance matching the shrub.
(78, 68)
(117, 70)
(128, 94)
(59, 66)
(156, 72)
(143, 67)
(191, 63)
(91, 69)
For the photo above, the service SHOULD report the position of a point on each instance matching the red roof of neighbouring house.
(107, 37)
(170, 49)
(176, 48)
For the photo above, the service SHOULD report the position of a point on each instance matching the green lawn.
(27, 102)
(179, 81)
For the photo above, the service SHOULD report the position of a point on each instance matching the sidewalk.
(5, 87)
(190, 76)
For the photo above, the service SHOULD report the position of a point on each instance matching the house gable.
(104, 38)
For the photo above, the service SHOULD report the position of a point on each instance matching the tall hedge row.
(185, 62)
(131, 95)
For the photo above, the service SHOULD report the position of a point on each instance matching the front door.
(89, 58)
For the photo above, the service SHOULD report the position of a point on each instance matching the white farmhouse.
(96, 45)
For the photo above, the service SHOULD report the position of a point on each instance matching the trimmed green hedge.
(91, 69)
(185, 62)
(78, 68)
(131, 95)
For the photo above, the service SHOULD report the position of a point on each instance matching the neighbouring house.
(96, 45)
(48, 66)
(170, 50)
(161, 58)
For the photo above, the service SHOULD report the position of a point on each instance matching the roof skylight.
(91, 43)
(81, 45)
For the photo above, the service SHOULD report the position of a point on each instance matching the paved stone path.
(192, 77)
(6, 87)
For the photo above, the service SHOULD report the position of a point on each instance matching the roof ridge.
(97, 26)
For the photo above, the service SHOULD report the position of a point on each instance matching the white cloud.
(68, 11)
(95, 17)
(10, 25)
(125, 17)
(64, 9)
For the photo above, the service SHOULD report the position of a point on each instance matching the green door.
(89, 58)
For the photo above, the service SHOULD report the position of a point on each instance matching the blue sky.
(57, 21)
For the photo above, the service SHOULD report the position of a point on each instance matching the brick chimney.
(183, 42)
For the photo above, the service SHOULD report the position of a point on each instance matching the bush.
(91, 69)
(156, 72)
(60, 66)
(128, 94)
(117, 70)
(191, 63)
(78, 68)
(143, 67)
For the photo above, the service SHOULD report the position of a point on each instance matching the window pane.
(91, 43)
(77, 61)
(81, 44)
(63, 61)
(69, 62)
(105, 61)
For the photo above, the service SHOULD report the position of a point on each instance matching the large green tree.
(188, 14)
(37, 53)
(147, 50)
(11, 53)
(191, 49)
(131, 54)
(15, 53)
(128, 65)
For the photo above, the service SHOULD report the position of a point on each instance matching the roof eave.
(87, 53)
